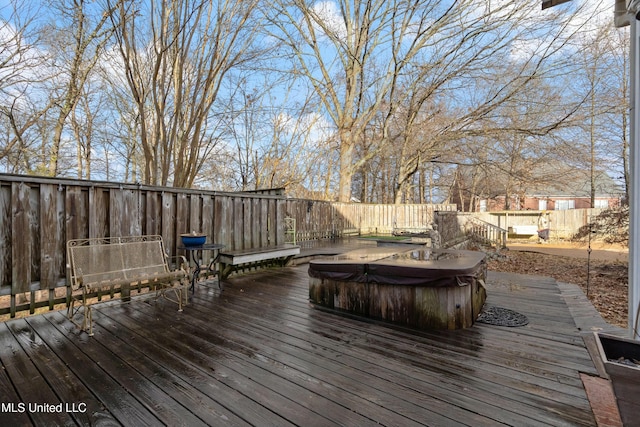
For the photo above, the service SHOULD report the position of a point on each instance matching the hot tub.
(421, 288)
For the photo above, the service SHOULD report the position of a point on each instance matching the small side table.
(215, 247)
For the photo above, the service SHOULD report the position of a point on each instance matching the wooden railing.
(486, 232)
(458, 228)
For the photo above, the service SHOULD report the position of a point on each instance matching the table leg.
(215, 267)
(196, 271)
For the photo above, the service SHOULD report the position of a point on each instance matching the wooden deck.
(258, 354)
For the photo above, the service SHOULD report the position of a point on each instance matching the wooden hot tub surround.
(421, 288)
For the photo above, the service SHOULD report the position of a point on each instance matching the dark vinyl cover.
(414, 267)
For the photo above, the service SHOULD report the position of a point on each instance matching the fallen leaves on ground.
(607, 285)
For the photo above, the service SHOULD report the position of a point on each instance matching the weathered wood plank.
(294, 402)
(195, 387)
(34, 231)
(28, 382)
(258, 254)
(76, 398)
(451, 361)
(248, 221)
(223, 225)
(137, 385)
(238, 229)
(5, 236)
(120, 403)
(169, 223)
(278, 222)
(117, 220)
(98, 212)
(208, 217)
(182, 215)
(195, 213)
(271, 225)
(20, 246)
(51, 237)
(76, 210)
(153, 210)
(13, 413)
(388, 389)
(133, 212)
(256, 353)
(257, 218)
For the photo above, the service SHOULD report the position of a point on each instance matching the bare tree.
(176, 55)
(20, 81)
(77, 37)
(378, 57)
(353, 56)
(603, 82)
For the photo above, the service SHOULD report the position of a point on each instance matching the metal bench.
(230, 260)
(114, 266)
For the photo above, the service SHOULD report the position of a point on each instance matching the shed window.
(601, 203)
(563, 205)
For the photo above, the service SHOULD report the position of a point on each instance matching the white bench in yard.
(281, 254)
(114, 266)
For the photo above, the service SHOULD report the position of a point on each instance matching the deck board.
(257, 353)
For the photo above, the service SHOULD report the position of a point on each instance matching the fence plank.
(169, 222)
(98, 212)
(238, 229)
(76, 209)
(116, 211)
(207, 217)
(247, 223)
(5, 236)
(20, 241)
(132, 212)
(51, 237)
(182, 215)
(195, 213)
(153, 209)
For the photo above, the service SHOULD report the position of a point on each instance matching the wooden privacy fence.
(39, 215)
(323, 219)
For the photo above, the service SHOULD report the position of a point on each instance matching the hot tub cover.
(415, 267)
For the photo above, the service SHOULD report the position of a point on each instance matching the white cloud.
(312, 128)
(593, 14)
(332, 21)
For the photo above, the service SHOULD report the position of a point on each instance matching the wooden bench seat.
(114, 266)
(230, 260)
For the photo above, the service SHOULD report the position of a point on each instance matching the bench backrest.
(117, 258)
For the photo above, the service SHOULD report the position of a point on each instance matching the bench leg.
(287, 260)
(87, 314)
(88, 317)
(72, 304)
(225, 270)
(180, 290)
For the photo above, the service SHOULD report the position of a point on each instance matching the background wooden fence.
(322, 219)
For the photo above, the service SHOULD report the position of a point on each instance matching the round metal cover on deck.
(499, 316)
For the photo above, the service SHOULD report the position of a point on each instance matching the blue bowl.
(193, 240)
